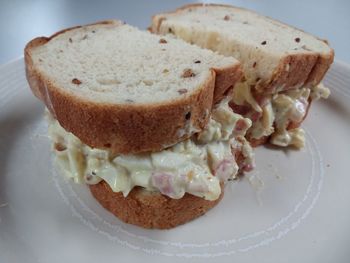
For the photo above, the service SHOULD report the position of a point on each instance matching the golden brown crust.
(151, 209)
(129, 128)
(297, 70)
(293, 70)
(225, 80)
(320, 68)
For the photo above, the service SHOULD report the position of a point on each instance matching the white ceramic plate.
(301, 215)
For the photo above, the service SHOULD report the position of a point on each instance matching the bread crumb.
(76, 81)
(226, 17)
(162, 41)
(188, 73)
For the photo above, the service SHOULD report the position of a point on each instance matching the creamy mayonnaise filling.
(195, 166)
(273, 114)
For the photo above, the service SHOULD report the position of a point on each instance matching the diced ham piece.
(240, 109)
(240, 126)
(163, 182)
(225, 169)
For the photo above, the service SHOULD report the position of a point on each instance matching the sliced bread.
(152, 209)
(116, 87)
(274, 56)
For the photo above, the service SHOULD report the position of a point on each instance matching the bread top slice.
(114, 86)
(274, 55)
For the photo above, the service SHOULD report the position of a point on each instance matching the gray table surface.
(20, 21)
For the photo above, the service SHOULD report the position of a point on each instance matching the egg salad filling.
(277, 115)
(195, 166)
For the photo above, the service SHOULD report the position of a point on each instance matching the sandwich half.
(143, 119)
(282, 66)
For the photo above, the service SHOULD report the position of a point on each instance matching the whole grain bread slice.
(274, 56)
(116, 87)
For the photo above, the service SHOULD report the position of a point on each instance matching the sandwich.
(142, 119)
(283, 66)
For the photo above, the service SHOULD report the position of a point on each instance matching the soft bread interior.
(257, 41)
(117, 63)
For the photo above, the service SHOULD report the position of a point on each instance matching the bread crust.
(151, 209)
(292, 71)
(128, 128)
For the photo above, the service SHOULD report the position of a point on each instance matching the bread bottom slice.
(151, 209)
